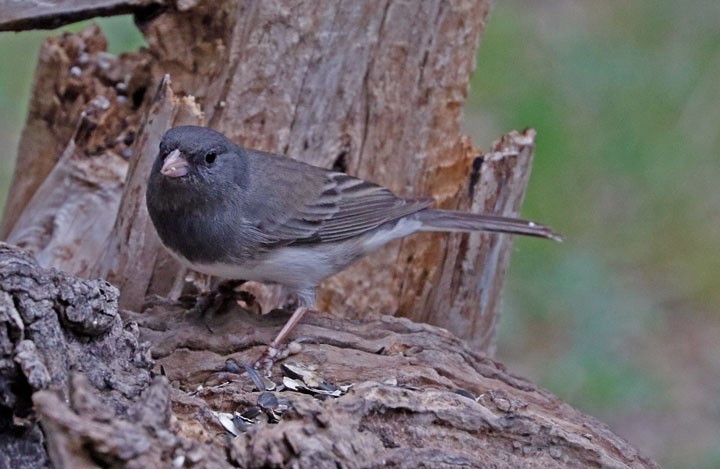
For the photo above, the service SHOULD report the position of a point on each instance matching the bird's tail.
(451, 220)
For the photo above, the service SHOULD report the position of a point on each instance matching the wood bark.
(80, 389)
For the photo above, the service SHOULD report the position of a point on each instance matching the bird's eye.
(210, 157)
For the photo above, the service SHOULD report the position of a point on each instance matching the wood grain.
(133, 257)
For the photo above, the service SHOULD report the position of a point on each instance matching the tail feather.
(450, 220)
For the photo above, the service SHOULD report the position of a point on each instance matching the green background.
(622, 319)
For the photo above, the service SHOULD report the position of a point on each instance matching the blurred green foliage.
(626, 101)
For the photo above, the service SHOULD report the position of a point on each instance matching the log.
(81, 389)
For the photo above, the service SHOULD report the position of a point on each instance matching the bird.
(238, 213)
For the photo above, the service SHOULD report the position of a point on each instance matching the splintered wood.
(72, 159)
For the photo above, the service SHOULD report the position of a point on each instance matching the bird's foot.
(276, 350)
(275, 354)
(213, 302)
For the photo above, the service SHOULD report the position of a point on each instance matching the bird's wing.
(345, 208)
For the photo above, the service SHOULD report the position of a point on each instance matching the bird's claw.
(274, 354)
(268, 358)
(213, 302)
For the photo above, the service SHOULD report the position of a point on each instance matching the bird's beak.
(175, 165)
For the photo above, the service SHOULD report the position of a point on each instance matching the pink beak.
(174, 165)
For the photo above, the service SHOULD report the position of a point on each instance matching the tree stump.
(93, 376)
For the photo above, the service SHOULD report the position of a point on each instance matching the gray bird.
(238, 213)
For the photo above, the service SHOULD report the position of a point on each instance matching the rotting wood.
(467, 302)
(87, 105)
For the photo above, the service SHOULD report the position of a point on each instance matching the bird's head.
(195, 168)
(190, 153)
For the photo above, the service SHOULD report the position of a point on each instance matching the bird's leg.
(288, 327)
(272, 353)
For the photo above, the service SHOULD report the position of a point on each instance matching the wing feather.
(347, 207)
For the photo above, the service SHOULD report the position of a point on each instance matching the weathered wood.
(464, 297)
(42, 14)
(58, 98)
(87, 104)
(62, 341)
(62, 223)
(133, 237)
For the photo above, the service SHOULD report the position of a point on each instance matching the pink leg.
(289, 326)
(268, 357)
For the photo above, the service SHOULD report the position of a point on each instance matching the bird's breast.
(295, 267)
(201, 236)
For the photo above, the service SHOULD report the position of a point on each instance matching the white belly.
(300, 267)
(294, 267)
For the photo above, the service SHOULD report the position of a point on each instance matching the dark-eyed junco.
(237, 213)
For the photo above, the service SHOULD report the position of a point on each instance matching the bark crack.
(366, 85)
(234, 57)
